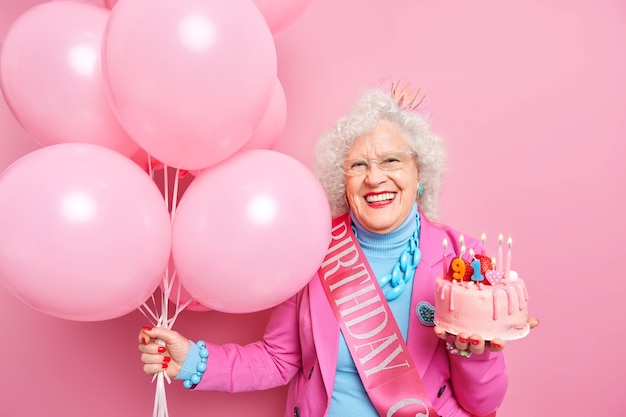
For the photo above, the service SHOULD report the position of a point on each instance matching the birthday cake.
(475, 297)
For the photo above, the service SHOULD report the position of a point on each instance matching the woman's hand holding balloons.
(162, 350)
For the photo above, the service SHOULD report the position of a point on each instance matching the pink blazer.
(301, 341)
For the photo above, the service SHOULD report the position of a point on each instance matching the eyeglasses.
(389, 161)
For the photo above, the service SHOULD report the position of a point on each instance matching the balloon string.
(179, 309)
(160, 399)
(173, 213)
(179, 287)
(165, 297)
(175, 194)
(169, 278)
(148, 313)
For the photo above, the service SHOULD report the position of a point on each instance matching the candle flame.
(510, 243)
(472, 253)
(500, 238)
(493, 263)
(445, 243)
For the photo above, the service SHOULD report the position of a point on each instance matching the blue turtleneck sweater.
(383, 252)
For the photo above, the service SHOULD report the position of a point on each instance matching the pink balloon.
(272, 125)
(50, 76)
(15, 142)
(267, 132)
(280, 14)
(189, 79)
(250, 232)
(84, 233)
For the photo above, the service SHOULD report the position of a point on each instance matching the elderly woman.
(349, 353)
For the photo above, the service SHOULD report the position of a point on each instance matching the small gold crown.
(405, 98)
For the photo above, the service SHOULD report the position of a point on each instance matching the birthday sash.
(371, 332)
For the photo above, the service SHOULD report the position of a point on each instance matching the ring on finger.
(453, 350)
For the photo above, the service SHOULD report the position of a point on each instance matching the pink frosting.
(491, 311)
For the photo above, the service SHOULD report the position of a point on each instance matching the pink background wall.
(530, 97)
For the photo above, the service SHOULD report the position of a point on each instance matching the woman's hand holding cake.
(464, 343)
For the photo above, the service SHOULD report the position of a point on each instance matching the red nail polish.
(495, 345)
(161, 349)
(166, 359)
(147, 328)
(143, 340)
(463, 340)
(164, 365)
(475, 342)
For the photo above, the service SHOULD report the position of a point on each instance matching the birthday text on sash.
(365, 316)
(381, 357)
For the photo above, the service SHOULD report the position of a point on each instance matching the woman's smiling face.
(381, 199)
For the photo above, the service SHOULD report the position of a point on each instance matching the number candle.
(507, 271)
(458, 266)
(444, 261)
(483, 239)
(499, 263)
(476, 276)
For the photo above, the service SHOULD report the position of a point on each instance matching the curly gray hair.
(373, 106)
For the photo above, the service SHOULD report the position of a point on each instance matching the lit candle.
(493, 263)
(444, 261)
(462, 251)
(476, 276)
(483, 239)
(507, 271)
(500, 264)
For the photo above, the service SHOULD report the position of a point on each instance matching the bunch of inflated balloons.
(85, 233)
